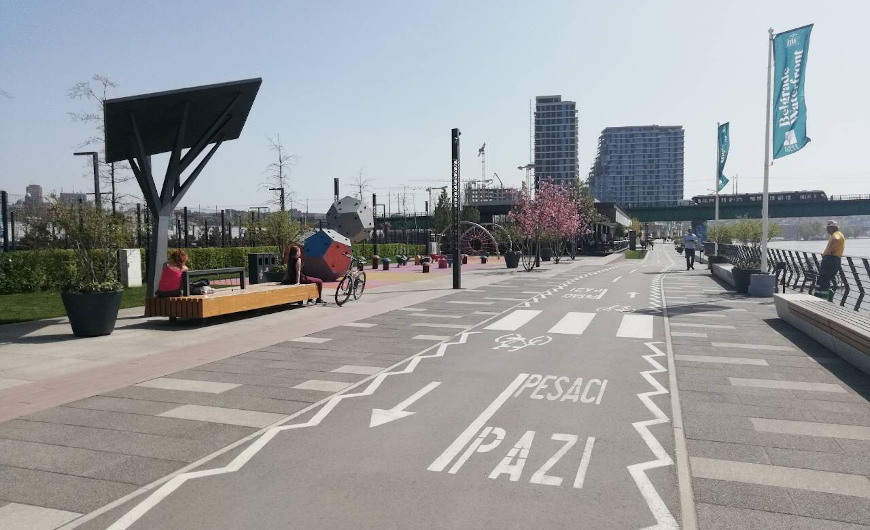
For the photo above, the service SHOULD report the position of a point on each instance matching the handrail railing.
(797, 271)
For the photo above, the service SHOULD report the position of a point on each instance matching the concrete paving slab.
(356, 369)
(688, 334)
(188, 385)
(436, 338)
(786, 385)
(810, 428)
(58, 491)
(820, 505)
(439, 325)
(742, 495)
(16, 516)
(313, 340)
(245, 418)
(700, 325)
(359, 325)
(782, 477)
(715, 517)
(322, 386)
(738, 345)
(720, 359)
(9, 383)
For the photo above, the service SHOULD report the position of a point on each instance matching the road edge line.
(688, 511)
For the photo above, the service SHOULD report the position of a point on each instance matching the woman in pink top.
(170, 278)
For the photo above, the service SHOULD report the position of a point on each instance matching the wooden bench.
(229, 300)
(187, 275)
(841, 330)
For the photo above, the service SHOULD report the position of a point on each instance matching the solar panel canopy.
(159, 114)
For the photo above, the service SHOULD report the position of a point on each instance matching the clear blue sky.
(379, 85)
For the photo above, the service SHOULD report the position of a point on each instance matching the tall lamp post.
(281, 189)
(97, 198)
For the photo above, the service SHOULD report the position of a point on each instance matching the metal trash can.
(259, 263)
(375, 260)
(385, 262)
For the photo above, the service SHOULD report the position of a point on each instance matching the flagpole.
(716, 185)
(765, 221)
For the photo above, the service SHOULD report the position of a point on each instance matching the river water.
(854, 247)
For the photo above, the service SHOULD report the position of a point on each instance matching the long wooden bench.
(229, 300)
(841, 330)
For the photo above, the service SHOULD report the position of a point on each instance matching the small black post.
(4, 211)
(223, 230)
(335, 188)
(375, 224)
(185, 227)
(457, 258)
(113, 187)
(427, 208)
(177, 231)
(138, 225)
(230, 230)
(253, 243)
(12, 229)
(97, 196)
(206, 232)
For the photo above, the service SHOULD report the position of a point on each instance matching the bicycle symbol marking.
(514, 342)
(617, 308)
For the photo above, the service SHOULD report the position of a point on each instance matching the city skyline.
(352, 87)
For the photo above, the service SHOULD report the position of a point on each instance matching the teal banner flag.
(724, 144)
(790, 50)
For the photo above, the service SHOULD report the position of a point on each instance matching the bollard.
(425, 267)
(385, 262)
(375, 260)
(483, 259)
(442, 263)
(465, 259)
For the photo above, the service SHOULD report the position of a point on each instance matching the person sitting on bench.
(170, 278)
(294, 276)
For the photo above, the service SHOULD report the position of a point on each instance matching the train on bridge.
(808, 196)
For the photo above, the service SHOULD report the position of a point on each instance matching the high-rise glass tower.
(639, 165)
(556, 136)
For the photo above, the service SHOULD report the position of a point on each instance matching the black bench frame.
(187, 275)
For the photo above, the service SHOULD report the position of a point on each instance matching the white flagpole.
(716, 185)
(764, 197)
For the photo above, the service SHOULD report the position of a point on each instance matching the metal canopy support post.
(457, 259)
(161, 205)
(4, 211)
(716, 186)
(765, 218)
(375, 224)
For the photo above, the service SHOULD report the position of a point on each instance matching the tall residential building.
(556, 138)
(639, 165)
(33, 195)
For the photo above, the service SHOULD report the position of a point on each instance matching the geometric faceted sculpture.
(350, 218)
(324, 253)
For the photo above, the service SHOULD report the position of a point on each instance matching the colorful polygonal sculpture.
(350, 218)
(324, 255)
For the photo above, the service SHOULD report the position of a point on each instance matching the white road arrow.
(632, 294)
(381, 416)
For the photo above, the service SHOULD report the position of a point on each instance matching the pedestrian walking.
(831, 258)
(690, 240)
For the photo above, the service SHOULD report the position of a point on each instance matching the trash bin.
(465, 259)
(259, 263)
(375, 260)
(385, 262)
(442, 262)
(425, 266)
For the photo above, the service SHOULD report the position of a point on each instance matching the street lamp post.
(97, 199)
(281, 189)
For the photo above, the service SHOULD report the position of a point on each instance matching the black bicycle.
(353, 282)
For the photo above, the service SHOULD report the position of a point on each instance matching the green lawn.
(47, 304)
(634, 254)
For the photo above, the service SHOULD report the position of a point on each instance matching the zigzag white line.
(238, 462)
(664, 519)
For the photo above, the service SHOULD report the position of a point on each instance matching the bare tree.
(97, 93)
(278, 172)
(361, 186)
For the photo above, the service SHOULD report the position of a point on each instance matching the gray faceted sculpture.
(351, 218)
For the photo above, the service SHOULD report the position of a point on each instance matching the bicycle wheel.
(342, 292)
(359, 285)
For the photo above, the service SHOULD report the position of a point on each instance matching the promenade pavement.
(601, 393)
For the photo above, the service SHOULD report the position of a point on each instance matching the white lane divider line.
(664, 519)
(636, 326)
(616, 279)
(515, 320)
(573, 323)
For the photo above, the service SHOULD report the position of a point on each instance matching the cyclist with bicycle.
(294, 275)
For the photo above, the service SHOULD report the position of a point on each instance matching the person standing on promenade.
(831, 257)
(690, 240)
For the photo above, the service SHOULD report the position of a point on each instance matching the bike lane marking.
(514, 320)
(573, 323)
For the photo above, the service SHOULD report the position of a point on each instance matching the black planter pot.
(742, 277)
(546, 254)
(92, 314)
(270, 276)
(512, 260)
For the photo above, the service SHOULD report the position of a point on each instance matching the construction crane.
(482, 154)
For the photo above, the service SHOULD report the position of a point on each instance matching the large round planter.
(512, 260)
(762, 285)
(546, 254)
(92, 314)
(742, 277)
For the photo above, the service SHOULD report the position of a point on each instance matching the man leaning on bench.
(172, 297)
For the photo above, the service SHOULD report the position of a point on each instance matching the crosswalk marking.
(573, 323)
(514, 320)
(636, 326)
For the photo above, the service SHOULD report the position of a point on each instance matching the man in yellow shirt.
(830, 265)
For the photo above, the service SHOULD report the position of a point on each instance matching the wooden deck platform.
(229, 300)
